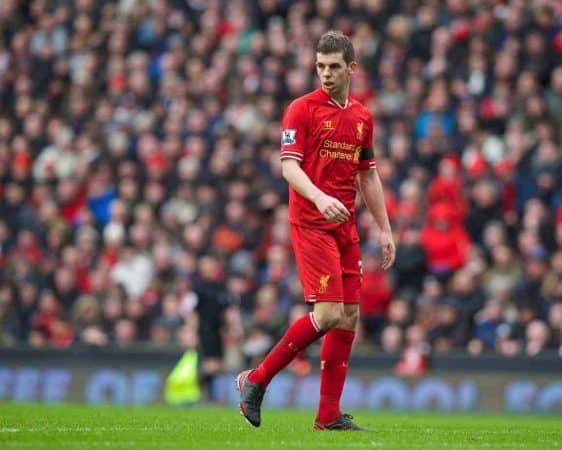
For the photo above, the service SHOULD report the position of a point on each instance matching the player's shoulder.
(304, 100)
(300, 106)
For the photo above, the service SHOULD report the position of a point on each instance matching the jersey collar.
(339, 105)
(333, 102)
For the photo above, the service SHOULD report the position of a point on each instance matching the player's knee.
(329, 315)
(350, 318)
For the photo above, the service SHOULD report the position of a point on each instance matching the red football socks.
(334, 358)
(300, 335)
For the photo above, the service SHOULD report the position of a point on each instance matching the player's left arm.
(373, 196)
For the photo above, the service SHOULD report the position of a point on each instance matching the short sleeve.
(294, 131)
(367, 158)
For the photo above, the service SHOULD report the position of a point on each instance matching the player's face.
(334, 73)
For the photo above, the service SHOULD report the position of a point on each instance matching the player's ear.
(352, 67)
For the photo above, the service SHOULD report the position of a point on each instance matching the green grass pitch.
(29, 426)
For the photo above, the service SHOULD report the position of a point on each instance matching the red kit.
(332, 142)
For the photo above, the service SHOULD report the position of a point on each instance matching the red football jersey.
(332, 143)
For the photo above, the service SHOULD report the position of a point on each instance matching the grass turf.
(31, 426)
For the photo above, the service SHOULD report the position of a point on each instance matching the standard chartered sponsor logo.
(336, 155)
(333, 150)
(339, 145)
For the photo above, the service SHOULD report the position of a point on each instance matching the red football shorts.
(329, 263)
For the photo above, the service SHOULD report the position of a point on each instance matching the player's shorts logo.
(289, 137)
(323, 283)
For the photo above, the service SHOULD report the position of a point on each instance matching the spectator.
(537, 337)
(436, 120)
(555, 323)
(448, 332)
(503, 274)
(446, 188)
(466, 294)
(484, 209)
(9, 326)
(210, 310)
(445, 241)
(50, 323)
(125, 332)
(391, 339)
(233, 335)
(486, 327)
(410, 266)
(87, 322)
(414, 360)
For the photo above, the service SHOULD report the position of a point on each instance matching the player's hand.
(331, 208)
(388, 249)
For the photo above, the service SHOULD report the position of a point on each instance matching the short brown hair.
(334, 41)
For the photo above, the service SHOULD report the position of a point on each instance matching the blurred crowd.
(141, 197)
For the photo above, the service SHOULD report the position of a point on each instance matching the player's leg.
(334, 357)
(318, 263)
(252, 383)
(338, 342)
(298, 336)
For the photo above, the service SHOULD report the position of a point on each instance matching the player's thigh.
(318, 261)
(348, 241)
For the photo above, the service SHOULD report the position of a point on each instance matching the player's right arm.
(330, 207)
(294, 135)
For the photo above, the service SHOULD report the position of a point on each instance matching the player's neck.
(341, 98)
(341, 101)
